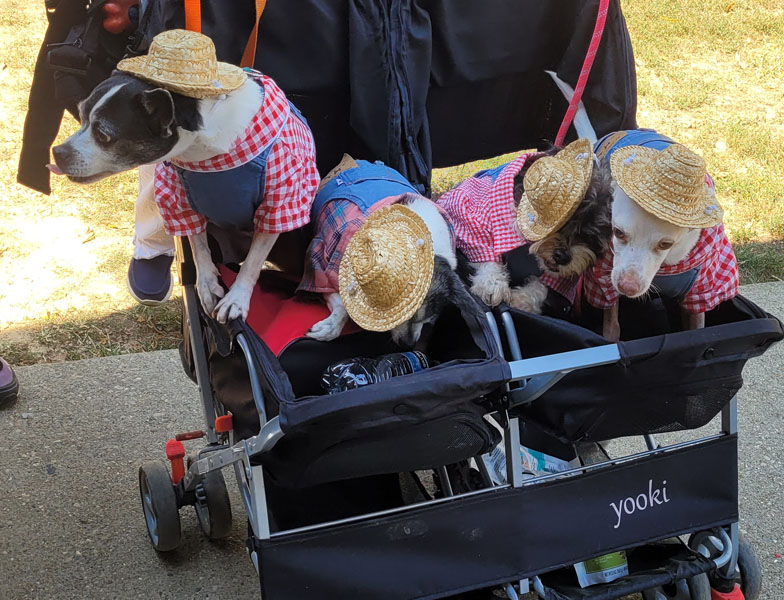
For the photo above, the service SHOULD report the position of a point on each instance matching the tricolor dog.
(230, 150)
(555, 206)
(381, 254)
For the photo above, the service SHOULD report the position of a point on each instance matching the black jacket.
(415, 83)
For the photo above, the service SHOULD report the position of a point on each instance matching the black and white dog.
(127, 122)
(352, 196)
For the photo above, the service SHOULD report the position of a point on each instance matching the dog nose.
(628, 286)
(561, 256)
(62, 154)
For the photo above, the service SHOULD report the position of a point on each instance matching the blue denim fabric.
(492, 173)
(208, 192)
(647, 138)
(363, 185)
(676, 286)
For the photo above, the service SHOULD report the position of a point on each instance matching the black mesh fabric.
(671, 381)
(649, 566)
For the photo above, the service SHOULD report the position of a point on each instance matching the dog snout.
(561, 256)
(63, 154)
(629, 285)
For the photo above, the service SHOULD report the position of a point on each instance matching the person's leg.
(9, 386)
(149, 274)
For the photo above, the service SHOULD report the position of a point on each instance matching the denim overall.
(670, 286)
(230, 198)
(491, 173)
(363, 185)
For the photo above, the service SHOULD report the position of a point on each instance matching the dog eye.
(101, 136)
(618, 233)
(665, 244)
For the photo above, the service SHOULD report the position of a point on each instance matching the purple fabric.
(9, 386)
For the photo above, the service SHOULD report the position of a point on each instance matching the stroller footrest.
(649, 566)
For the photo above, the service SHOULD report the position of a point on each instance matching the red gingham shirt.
(484, 215)
(716, 282)
(485, 220)
(291, 178)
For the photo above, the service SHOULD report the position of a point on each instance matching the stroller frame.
(530, 378)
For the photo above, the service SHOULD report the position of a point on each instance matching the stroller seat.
(417, 421)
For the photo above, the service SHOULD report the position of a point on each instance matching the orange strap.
(249, 56)
(193, 15)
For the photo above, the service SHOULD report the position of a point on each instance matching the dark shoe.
(9, 385)
(150, 280)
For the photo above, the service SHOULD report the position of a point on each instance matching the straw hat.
(184, 62)
(387, 267)
(669, 184)
(554, 187)
(346, 163)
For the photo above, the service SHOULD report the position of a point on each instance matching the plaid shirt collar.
(264, 129)
(716, 282)
(703, 250)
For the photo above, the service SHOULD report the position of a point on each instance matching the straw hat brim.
(637, 179)
(539, 229)
(573, 191)
(409, 228)
(230, 78)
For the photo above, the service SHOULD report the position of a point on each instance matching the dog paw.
(529, 297)
(327, 329)
(490, 283)
(209, 289)
(234, 305)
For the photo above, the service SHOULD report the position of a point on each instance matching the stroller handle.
(564, 362)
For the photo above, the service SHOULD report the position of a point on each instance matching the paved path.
(70, 522)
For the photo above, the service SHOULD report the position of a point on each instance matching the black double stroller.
(382, 492)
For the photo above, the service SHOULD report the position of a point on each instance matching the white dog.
(667, 227)
(381, 254)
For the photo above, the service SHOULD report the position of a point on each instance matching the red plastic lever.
(224, 424)
(116, 17)
(175, 452)
(189, 435)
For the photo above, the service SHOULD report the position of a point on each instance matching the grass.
(709, 74)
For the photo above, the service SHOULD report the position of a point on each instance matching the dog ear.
(159, 106)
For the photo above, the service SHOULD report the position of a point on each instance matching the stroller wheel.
(160, 506)
(695, 588)
(749, 569)
(748, 574)
(213, 509)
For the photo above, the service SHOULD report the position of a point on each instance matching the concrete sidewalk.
(72, 526)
